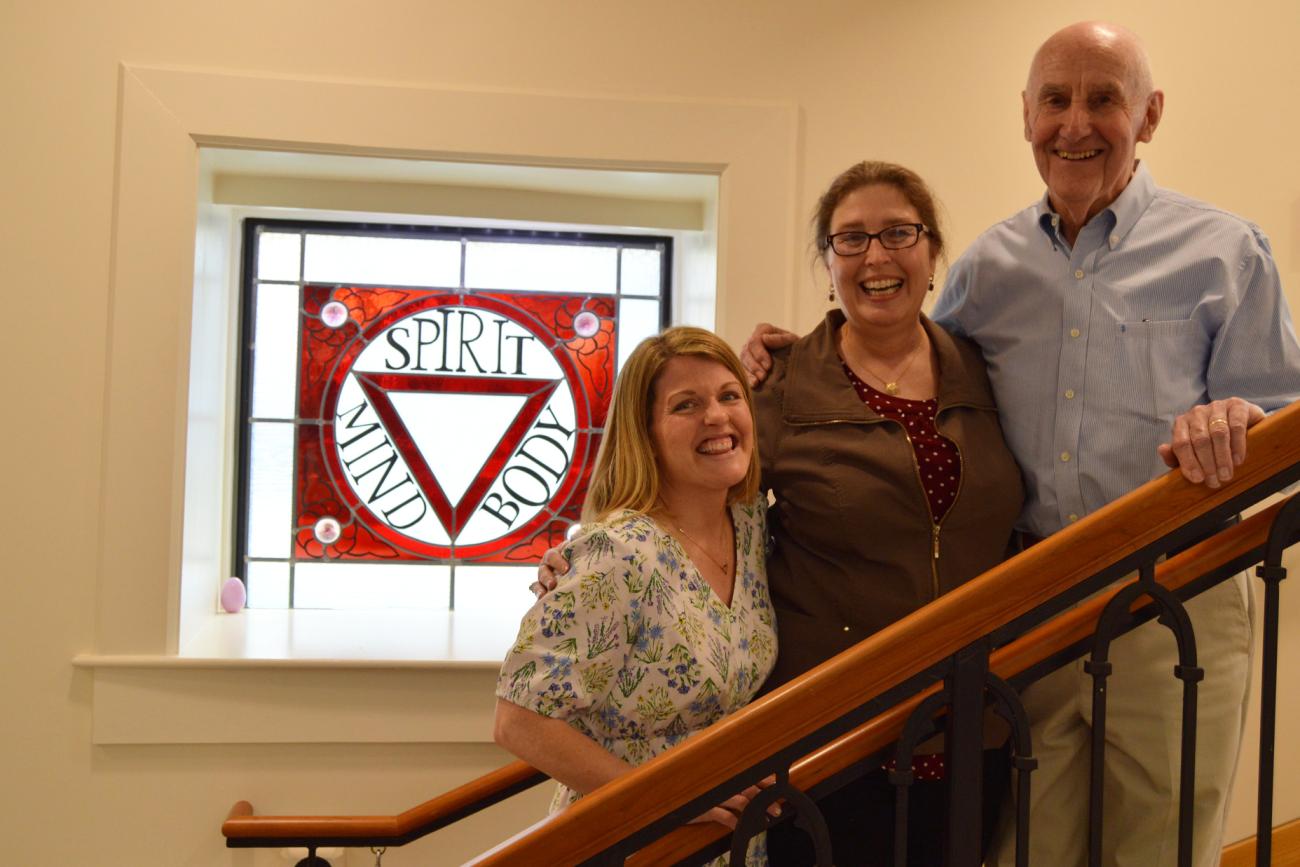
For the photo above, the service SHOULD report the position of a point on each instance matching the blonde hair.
(626, 475)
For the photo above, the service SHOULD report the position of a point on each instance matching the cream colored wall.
(934, 85)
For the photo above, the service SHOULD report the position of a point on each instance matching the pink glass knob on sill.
(233, 596)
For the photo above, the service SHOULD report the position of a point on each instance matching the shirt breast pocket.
(1171, 356)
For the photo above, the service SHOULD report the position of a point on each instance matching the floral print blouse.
(634, 649)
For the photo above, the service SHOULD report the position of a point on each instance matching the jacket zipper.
(935, 526)
(956, 495)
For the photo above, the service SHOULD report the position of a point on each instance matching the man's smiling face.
(1087, 105)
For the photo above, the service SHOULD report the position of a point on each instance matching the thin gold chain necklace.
(724, 565)
(891, 387)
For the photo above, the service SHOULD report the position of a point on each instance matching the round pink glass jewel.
(334, 314)
(586, 324)
(327, 531)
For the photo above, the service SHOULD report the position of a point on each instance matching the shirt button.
(1073, 517)
(1078, 275)
(846, 629)
(1114, 239)
(1065, 457)
(1074, 332)
(1069, 394)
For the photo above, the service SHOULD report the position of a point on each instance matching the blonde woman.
(664, 624)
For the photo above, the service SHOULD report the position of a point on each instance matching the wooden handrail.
(875, 665)
(1031, 648)
(894, 654)
(423, 818)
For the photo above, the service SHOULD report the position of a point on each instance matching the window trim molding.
(166, 114)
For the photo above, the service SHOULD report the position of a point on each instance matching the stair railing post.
(1285, 526)
(964, 760)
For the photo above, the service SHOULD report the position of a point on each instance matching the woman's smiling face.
(701, 427)
(879, 290)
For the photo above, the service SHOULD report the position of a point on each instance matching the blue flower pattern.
(635, 650)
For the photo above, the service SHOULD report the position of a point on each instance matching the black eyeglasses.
(898, 237)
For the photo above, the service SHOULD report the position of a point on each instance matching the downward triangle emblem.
(380, 388)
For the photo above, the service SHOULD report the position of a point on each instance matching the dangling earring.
(931, 289)
(830, 293)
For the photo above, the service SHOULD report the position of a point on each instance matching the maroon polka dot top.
(937, 457)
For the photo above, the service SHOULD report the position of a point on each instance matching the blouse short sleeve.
(574, 640)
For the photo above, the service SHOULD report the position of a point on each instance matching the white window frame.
(151, 589)
(492, 630)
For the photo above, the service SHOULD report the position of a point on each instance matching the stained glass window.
(423, 405)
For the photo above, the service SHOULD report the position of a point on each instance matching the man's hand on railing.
(1208, 441)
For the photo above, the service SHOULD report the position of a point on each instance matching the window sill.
(307, 677)
(386, 638)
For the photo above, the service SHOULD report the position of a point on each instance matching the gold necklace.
(724, 565)
(891, 388)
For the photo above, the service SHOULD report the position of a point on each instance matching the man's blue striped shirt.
(1162, 303)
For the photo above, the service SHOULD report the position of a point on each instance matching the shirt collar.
(1124, 211)
(817, 390)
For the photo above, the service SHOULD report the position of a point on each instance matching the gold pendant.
(892, 388)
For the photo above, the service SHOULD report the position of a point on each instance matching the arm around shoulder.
(572, 639)
(769, 398)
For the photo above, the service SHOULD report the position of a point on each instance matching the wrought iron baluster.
(1286, 524)
(1099, 667)
(753, 819)
(1010, 708)
(1113, 617)
(920, 725)
(965, 754)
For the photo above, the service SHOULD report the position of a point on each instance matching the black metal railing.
(1284, 531)
(983, 643)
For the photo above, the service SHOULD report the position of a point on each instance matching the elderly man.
(1124, 326)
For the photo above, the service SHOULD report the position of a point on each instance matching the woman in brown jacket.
(880, 443)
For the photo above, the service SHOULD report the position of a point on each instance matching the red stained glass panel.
(444, 426)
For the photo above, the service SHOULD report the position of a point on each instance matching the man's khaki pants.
(1143, 743)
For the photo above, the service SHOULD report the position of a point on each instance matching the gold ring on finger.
(1218, 421)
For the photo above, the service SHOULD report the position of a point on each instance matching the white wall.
(934, 85)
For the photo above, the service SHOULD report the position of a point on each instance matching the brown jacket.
(855, 547)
